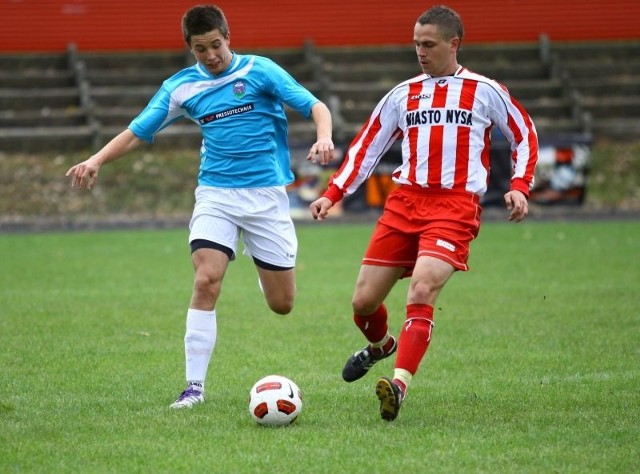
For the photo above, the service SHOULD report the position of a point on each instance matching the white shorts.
(261, 215)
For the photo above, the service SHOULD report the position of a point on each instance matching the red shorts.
(415, 222)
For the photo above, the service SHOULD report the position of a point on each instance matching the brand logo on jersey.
(420, 96)
(442, 81)
(225, 113)
(443, 243)
(439, 116)
(238, 90)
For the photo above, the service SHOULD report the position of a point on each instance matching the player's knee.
(362, 305)
(279, 296)
(205, 285)
(423, 291)
(282, 308)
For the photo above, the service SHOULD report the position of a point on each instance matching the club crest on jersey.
(238, 90)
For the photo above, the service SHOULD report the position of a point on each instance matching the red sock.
(415, 337)
(373, 326)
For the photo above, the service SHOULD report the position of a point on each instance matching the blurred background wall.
(118, 25)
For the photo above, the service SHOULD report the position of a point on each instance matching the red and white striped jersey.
(445, 126)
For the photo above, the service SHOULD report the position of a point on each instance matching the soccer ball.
(275, 401)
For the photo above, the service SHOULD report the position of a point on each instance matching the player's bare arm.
(322, 150)
(517, 204)
(85, 174)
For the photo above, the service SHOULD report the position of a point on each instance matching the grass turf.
(533, 365)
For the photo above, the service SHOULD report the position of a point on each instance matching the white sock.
(381, 342)
(199, 341)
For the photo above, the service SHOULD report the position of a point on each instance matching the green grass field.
(534, 365)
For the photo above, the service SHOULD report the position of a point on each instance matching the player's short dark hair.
(446, 19)
(202, 19)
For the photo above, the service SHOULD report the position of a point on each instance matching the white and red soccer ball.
(275, 401)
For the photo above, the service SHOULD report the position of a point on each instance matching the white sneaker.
(191, 396)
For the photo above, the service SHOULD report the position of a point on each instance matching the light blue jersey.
(241, 115)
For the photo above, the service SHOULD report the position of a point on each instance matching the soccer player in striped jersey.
(238, 102)
(444, 119)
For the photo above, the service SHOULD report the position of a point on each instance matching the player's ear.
(455, 44)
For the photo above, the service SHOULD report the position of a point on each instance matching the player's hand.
(84, 175)
(320, 208)
(517, 204)
(321, 151)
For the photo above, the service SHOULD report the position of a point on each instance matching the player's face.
(212, 51)
(436, 55)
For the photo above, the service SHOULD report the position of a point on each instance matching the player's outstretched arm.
(85, 174)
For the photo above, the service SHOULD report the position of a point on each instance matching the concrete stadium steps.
(78, 99)
(606, 77)
(51, 139)
(602, 69)
(294, 61)
(182, 135)
(46, 117)
(554, 126)
(116, 116)
(136, 60)
(622, 85)
(34, 63)
(132, 78)
(39, 83)
(617, 52)
(40, 105)
(123, 96)
(366, 72)
(613, 106)
(39, 98)
(616, 128)
(381, 55)
(506, 62)
(529, 70)
(36, 79)
(500, 53)
(614, 117)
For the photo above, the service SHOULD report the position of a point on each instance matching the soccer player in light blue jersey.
(244, 168)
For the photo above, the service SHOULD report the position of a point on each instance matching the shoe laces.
(368, 356)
